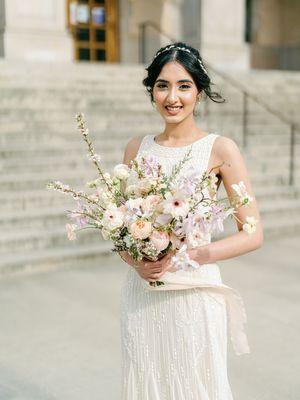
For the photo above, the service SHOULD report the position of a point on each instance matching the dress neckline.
(179, 147)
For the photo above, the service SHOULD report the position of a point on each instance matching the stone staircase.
(39, 142)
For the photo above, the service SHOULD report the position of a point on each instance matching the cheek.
(189, 98)
(160, 97)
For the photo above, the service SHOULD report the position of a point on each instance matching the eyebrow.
(180, 81)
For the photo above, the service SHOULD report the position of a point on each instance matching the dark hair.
(190, 59)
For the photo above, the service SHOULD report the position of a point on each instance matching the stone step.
(71, 98)
(47, 237)
(101, 123)
(59, 147)
(45, 134)
(107, 108)
(23, 262)
(42, 218)
(59, 164)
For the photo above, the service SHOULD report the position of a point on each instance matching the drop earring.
(197, 111)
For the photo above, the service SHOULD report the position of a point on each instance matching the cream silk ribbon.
(234, 302)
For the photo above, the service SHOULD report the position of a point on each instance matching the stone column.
(223, 24)
(2, 27)
(171, 20)
(36, 30)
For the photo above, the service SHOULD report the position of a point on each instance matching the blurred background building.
(61, 57)
(232, 33)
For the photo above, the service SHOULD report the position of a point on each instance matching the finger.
(155, 270)
(155, 276)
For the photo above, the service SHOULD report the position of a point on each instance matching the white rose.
(144, 186)
(131, 190)
(121, 171)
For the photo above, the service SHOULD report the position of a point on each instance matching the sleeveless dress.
(174, 342)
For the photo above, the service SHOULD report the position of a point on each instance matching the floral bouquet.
(145, 212)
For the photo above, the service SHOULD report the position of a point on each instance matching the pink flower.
(140, 229)
(70, 228)
(150, 202)
(176, 241)
(160, 240)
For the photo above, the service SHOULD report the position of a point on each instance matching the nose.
(172, 95)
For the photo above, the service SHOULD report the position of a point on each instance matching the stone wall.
(36, 30)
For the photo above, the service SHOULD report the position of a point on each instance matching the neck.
(183, 131)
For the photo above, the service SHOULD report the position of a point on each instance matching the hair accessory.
(172, 46)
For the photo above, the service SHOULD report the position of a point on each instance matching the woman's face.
(175, 93)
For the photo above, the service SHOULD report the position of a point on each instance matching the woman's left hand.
(200, 254)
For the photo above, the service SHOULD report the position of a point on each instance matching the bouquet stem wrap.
(234, 303)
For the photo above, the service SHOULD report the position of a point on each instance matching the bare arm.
(131, 149)
(241, 242)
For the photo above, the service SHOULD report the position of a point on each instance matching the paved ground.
(59, 335)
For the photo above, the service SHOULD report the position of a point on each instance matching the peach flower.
(140, 229)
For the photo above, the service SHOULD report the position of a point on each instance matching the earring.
(197, 111)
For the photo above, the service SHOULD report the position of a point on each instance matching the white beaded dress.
(174, 342)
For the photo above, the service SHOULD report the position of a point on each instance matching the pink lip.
(173, 112)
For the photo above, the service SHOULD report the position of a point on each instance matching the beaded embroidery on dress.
(174, 340)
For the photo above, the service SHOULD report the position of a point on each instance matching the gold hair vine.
(181, 48)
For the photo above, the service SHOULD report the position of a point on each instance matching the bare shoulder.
(225, 146)
(132, 148)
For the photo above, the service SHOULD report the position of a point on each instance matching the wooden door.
(94, 26)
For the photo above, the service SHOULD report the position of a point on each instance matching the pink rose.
(160, 240)
(150, 202)
(140, 229)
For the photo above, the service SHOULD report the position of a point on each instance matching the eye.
(162, 85)
(185, 86)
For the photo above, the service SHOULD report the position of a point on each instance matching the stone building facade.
(240, 34)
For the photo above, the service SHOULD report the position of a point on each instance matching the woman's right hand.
(148, 270)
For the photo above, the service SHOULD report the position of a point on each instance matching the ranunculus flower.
(140, 229)
(160, 240)
(121, 171)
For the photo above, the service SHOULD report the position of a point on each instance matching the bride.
(174, 342)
